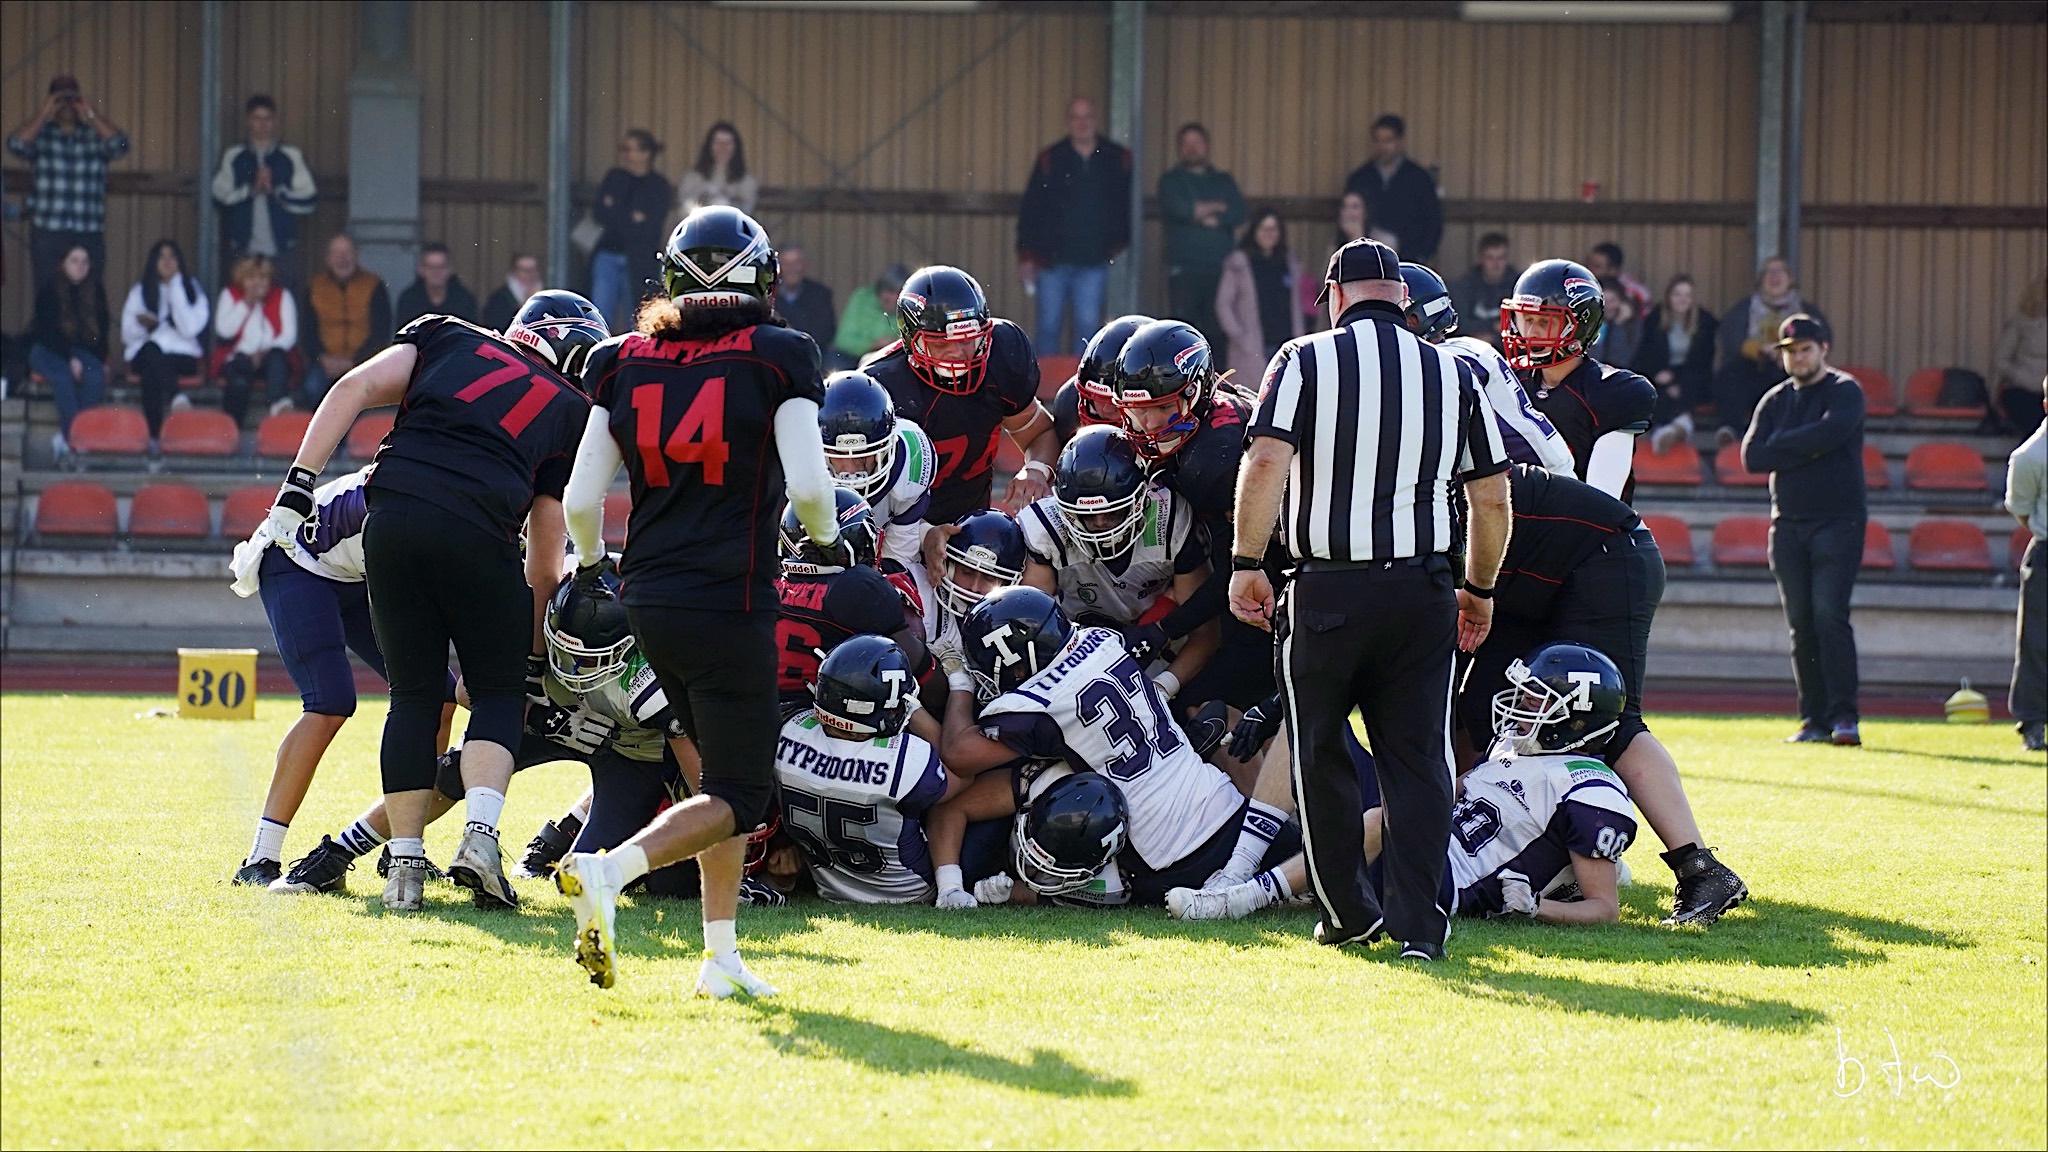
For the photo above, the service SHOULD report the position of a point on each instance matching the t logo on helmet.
(1583, 684)
(998, 638)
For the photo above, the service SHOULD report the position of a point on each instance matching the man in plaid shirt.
(69, 145)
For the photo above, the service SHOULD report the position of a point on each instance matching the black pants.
(718, 671)
(1816, 562)
(2028, 696)
(239, 380)
(1192, 870)
(626, 795)
(1379, 638)
(435, 578)
(159, 371)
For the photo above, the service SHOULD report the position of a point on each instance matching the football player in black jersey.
(712, 405)
(1085, 399)
(966, 377)
(1545, 329)
(487, 427)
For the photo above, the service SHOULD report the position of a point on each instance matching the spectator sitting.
(521, 280)
(720, 175)
(1075, 216)
(1258, 299)
(1401, 194)
(69, 144)
(261, 187)
(1677, 355)
(351, 317)
(631, 207)
(1478, 293)
(1605, 261)
(2022, 360)
(162, 323)
(258, 326)
(1622, 330)
(804, 302)
(1202, 208)
(1748, 343)
(869, 323)
(69, 337)
(437, 291)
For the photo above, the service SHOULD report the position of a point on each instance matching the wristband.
(1479, 593)
(1030, 464)
(1246, 563)
(959, 682)
(1168, 683)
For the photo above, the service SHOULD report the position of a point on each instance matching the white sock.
(721, 939)
(631, 861)
(948, 877)
(358, 838)
(269, 840)
(1262, 822)
(409, 846)
(1275, 887)
(482, 808)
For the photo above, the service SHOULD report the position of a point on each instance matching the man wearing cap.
(1358, 435)
(69, 144)
(1808, 434)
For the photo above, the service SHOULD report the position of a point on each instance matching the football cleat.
(406, 884)
(547, 847)
(592, 885)
(384, 866)
(258, 873)
(324, 869)
(1222, 878)
(1706, 888)
(758, 893)
(721, 979)
(479, 866)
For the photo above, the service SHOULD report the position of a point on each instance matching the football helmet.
(1564, 291)
(1429, 311)
(942, 315)
(1012, 635)
(1098, 359)
(1065, 836)
(560, 327)
(1164, 367)
(1563, 698)
(864, 687)
(718, 257)
(858, 423)
(856, 527)
(990, 545)
(587, 636)
(1100, 489)
(760, 840)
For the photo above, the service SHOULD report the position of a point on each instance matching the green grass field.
(1899, 899)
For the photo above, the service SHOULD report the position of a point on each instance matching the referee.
(1364, 427)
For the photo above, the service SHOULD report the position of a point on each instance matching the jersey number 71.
(698, 438)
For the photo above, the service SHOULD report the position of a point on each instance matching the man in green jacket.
(1203, 208)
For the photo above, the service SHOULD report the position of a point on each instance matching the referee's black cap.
(1362, 259)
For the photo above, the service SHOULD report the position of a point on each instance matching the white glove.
(955, 899)
(295, 503)
(1516, 896)
(994, 890)
(945, 648)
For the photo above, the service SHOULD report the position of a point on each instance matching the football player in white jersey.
(1528, 434)
(970, 558)
(888, 460)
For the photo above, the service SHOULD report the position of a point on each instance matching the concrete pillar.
(1770, 132)
(561, 26)
(1795, 128)
(207, 259)
(1127, 127)
(384, 145)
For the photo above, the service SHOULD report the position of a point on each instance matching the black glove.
(1147, 642)
(588, 575)
(1254, 728)
(758, 893)
(839, 554)
(536, 682)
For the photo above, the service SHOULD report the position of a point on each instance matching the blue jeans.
(1082, 286)
(611, 289)
(88, 388)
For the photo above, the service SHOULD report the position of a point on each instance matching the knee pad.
(448, 775)
(498, 717)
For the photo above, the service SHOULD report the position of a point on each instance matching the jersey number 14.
(698, 438)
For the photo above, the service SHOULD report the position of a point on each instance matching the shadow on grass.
(1919, 799)
(2016, 760)
(833, 1036)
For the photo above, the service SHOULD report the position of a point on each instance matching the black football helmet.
(989, 545)
(856, 527)
(1429, 311)
(864, 687)
(1563, 698)
(588, 638)
(858, 423)
(1098, 360)
(1012, 635)
(939, 309)
(718, 257)
(1563, 291)
(1065, 836)
(1100, 489)
(1164, 366)
(560, 327)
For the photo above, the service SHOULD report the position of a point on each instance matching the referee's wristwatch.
(1479, 593)
(1246, 563)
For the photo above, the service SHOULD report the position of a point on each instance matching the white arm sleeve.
(597, 461)
(1613, 457)
(804, 470)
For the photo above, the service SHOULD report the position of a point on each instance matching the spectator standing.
(1605, 261)
(1258, 297)
(68, 145)
(1748, 344)
(1477, 294)
(522, 280)
(2022, 360)
(162, 323)
(351, 317)
(631, 206)
(262, 187)
(869, 323)
(1677, 354)
(1808, 434)
(1401, 195)
(1623, 332)
(1075, 217)
(258, 325)
(437, 290)
(69, 339)
(720, 175)
(1202, 208)
(804, 302)
(2026, 497)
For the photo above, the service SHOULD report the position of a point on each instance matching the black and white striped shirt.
(1381, 423)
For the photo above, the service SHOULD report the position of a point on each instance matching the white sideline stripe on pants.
(1315, 877)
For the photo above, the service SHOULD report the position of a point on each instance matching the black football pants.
(718, 670)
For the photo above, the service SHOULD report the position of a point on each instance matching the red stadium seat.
(2017, 549)
(77, 508)
(1945, 466)
(1923, 396)
(176, 510)
(1880, 398)
(368, 433)
(200, 432)
(1742, 542)
(1679, 466)
(617, 507)
(1877, 547)
(1729, 471)
(1674, 540)
(1054, 371)
(244, 510)
(110, 428)
(1948, 546)
(1875, 474)
(280, 435)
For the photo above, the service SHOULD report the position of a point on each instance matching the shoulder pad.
(893, 348)
(421, 328)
